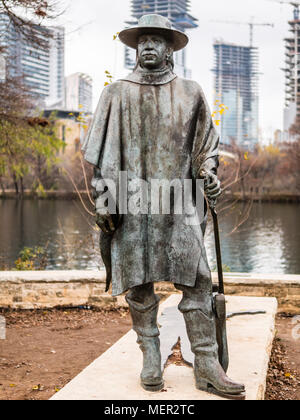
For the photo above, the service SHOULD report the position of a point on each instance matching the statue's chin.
(150, 65)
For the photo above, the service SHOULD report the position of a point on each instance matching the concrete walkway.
(115, 374)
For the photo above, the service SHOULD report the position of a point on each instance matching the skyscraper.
(236, 86)
(41, 66)
(79, 93)
(292, 76)
(177, 11)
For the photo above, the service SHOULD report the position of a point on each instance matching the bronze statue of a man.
(155, 125)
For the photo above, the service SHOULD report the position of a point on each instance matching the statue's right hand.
(105, 222)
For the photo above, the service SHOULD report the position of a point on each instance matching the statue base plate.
(115, 375)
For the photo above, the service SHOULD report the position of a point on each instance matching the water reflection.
(269, 241)
(60, 226)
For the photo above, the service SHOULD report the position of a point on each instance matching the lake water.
(268, 242)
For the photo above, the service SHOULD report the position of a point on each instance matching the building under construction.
(292, 76)
(236, 87)
(177, 11)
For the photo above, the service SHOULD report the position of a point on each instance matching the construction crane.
(250, 24)
(295, 4)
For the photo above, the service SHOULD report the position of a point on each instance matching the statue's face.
(152, 51)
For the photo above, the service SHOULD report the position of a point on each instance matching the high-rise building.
(292, 76)
(79, 93)
(236, 87)
(41, 66)
(177, 11)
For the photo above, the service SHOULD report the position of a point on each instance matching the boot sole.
(153, 388)
(203, 385)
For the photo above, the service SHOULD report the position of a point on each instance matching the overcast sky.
(91, 49)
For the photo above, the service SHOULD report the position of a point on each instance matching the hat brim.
(130, 36)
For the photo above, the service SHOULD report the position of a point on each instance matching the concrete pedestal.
(115, 374)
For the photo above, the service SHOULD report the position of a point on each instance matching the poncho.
(153, 126)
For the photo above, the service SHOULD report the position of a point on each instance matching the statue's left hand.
(105, 222)
(212, 186)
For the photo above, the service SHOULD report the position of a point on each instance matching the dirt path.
(284, 369)
(44, 350)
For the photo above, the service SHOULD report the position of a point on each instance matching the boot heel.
(202, 384)
(153, 388)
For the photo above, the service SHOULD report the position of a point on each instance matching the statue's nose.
(149, 45)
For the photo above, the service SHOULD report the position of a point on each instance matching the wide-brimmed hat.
(154, 24)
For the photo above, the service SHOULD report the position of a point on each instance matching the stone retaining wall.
(48, 289)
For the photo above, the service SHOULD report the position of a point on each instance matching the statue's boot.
(151, 375)
(144, 320)
(209, 374)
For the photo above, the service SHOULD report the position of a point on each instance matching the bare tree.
(16, 101)
(27, 16)
(18, 128)
(292, 150)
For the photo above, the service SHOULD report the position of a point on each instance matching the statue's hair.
(170, 61)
